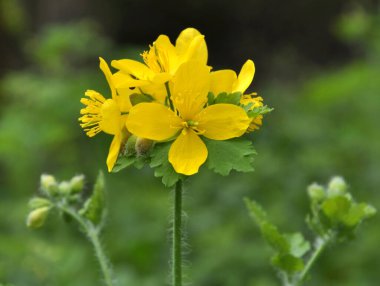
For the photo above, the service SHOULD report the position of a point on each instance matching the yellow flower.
(107, 115)
(162, 60)
(189, 119)
(228, 81)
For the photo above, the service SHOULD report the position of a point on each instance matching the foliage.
(334, 217)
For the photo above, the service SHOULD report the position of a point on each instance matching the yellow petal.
(187, 153)
(222, 81)
(222, 121)
(134, 68)
(153, 121)
(113, 152)
(191, 45)
(110, 113)
(123, 100)
(166, 54)
(245, 77)
(107, 73)
(190, 87)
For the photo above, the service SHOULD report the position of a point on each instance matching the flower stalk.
(177, 236)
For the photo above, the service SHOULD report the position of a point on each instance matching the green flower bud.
(36, 203)
(48, 184)
(337, 187)
(316, 192)
(37, 217)
(77, 184)
(143, 146)
(64, 188)
(130, 145)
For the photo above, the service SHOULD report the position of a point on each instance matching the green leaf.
(298, 245)
(269, 231)
(231, 98)
(123, 162)
(274, 237)
(162, 167)
(288, 263)
(336, 208)
(256, 211)
(357, 213)
(227, 155)
(94, 206)
(260, 110)
(137, 98)
(210, 98)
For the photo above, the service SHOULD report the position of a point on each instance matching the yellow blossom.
(228, 81)
(107, 115)
(189, 119)
(161, 61)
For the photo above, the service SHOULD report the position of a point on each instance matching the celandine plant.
(175, 114)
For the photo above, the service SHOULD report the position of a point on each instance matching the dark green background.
(318, 65)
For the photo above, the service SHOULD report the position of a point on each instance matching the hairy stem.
(92, 233)
(177, 236)
(320, 245)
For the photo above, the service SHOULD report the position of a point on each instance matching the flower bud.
(130, 145)
(142, 146)
(337, 186)
(64, 188)
(48, 184)
(37, 217)
(77, 183)
(316, 192)
(36, 203)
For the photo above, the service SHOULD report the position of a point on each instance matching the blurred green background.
(318, 65)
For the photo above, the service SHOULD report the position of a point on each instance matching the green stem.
(320, 245)
(177, 236)
(93, 235)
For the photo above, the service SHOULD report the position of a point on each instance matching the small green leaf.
(298, 245)
(123, 162)
(162, 167)
(93, 208)
(227, 155)
(357, 213)
(137, 98)
(210, 98)
(231, 98)
(288, 263)
(274, 237)
(260, 110)
(336, 208)
(256, 211)
(269, 231)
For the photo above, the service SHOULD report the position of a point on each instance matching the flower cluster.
(173, 96)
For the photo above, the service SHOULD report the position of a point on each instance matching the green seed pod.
(316, 192)
(143, 146)
(337, 187)
(77, 184)
(37, 218)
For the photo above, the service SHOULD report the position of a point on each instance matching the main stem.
(177, 235)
